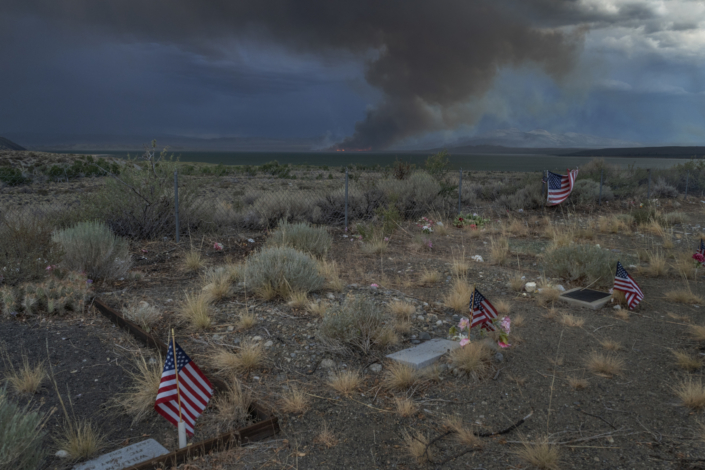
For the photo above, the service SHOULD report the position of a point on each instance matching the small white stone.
(617, 307)
(478, 258)
(268, 344)
(330, 296)
(257, 338)
(560, 288)
(376, 368)
(530, 286)
(327, 363)
(62, 454)
(250, 240)
(420, 318)
(439, 322)
(231, 328)
(143, 304)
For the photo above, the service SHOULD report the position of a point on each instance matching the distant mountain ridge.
(6, 144)
(542, 139)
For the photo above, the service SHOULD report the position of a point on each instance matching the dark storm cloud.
(425, 57)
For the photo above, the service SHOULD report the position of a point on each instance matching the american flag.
(483, 312)
(701, 250)
(560, 186)
(194, 390)
(624, 282)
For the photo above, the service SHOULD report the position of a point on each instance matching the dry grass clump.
(673, 218)
(330, 272)
(357, 322)
(517, 283)
(541, 454)
(572, 321)
(27, 379)
(249, 357)
(518, 321)
(611, 345)
(683, 263)
(471, 358)
(683, 296)
(375, 245)
(605, 365)
(520, 381)
(417, 446)
(318, 308)
(691, 393)
(81, 439)
(217, 283)
(518, 228)
(578, 384)
(294, 400)
(246, 321)
(686, 361)
(657, 265)
(613, 224)
(196, 311)
(458, 298)
(326, 438)
(429, 277)
(298, 299)
(345, 381)
(403, 325)
(654, 228)
(499, 250)
(463, 435)
(400, 376)
(386, 337)
(193, 261)
(460, 267)
(138, 399)
(547, 296)
(232, 406)
(503, 306)
(697, 332)
(144, 314)
(562, 237)
(301, 236)
(401, 309)
(405, 406)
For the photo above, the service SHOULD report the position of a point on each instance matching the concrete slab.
(125, 457)
(424, 354)
(589, 298)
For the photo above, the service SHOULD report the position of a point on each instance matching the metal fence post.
(460, 190)
(346, 199)
(648, 189)
(602, 172)
(176, 204)
(687, 177)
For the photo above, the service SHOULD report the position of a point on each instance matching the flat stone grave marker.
(424, 354)
(593, 299)
(125, 457)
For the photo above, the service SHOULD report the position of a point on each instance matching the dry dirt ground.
(632, 420)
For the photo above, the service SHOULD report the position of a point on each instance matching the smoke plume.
(427, 58)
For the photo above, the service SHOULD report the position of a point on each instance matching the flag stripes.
(560, 186)
(483, 312)
(194, 390)
(625, 283)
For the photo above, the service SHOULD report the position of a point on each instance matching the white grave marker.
(125, 457)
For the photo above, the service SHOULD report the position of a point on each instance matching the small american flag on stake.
(560, 186)
(624, 282)
(483, 312)
(183, 393)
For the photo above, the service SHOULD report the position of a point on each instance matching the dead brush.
(458, 298)
(560, 237)
(612, 224)
(417, 446)
(540, 454)
(402, 325)
(375, 245)
(345, 381)
(605, 365)
(516, 283)
(249, 357)
(657, 265)
(246, 321)
(400, 309)
(577, 383)
(697, 332)
(518, 228)
(193, 261)
(399, 376)
(683, 263)
(81, 439)
(27, 378)
(654, 228)
(691, 393)
(503, 306)
(572, 321)
(298, 300)
(499, 250)
(294, 400)
(611, 345)
(326, 437)
(318, 307)
(518, 321)
(473, 358)
(216, 283)
(687, 362)
(232, 406)
(138, 399)
(196, 311)
(386, 337)
(460, 267)
(547, 296)
(683, 296)
(463, 435)
(330, 272)
(405, 406)
(429, 277)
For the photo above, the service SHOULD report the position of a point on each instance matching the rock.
(268, 344)
(217, 337)
(530, 286)
(330, 296)
(617, 307)
(560, 288)
(231, 328)
(415, 341)
(143, 304)
(62, 454)
(499, 357)
(478, 258)
(257, 338)
(439, 323)
(420, 318)
(376, 368)
(425, 336)
(328, 363)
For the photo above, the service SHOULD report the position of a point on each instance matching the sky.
(358, 75)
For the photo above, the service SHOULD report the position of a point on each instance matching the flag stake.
(181, 425)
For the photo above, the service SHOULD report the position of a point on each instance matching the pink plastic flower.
(374, 286)
(49, 268)
(386, 239)
(502, 344)
(463, 342)
(218, 246)
(429, 244)
(473, 226)
(506, 324)
(145, 251)
(699, 257)
(464, 323)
